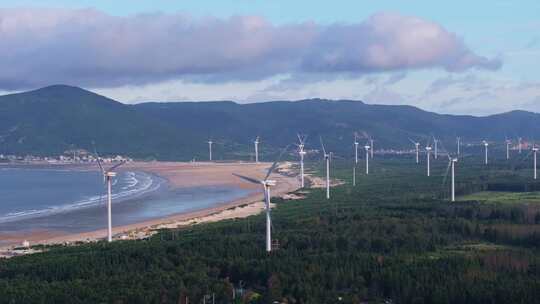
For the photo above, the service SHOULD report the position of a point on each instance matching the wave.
(134, 184)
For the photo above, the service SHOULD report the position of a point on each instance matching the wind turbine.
(486, 144)
(508, 144)
(428, 154)
(210, 149)
(451, 166)
(327, 158)
(267, 184)
(458, 141)
(302, 153)
(356, 148)
(107, 178)
(371, 146)
(256, 142)
(417, 146)
(367, 147)
(435, 142)
(534, 149)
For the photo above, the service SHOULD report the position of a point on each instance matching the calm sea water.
(75, 201)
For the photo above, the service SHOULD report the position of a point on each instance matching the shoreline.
(180, 175)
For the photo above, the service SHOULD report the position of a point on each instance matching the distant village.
(77, 156)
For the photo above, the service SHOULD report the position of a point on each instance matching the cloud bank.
(90, 48)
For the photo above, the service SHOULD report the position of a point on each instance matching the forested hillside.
(54, 119)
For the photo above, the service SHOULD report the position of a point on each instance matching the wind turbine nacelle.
(270, 182)
(428, 148)
(110, 174)
(367, 147)
(302, 152)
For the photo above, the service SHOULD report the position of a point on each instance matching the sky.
(455, 57)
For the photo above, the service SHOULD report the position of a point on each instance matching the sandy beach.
(184, 175)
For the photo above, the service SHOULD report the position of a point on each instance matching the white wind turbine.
(451, 166)
(371, 146)
(428, 156)
(302, 153)
(210, 149)
(458, 141)
(327, 158)
(436, 142)
(417, 146)
(486, 144)
(107, 179)
(367, 147)
(267, 184)
(535, 150)
(354, 175)
(508, 144)
(356, 143)
(256, 143)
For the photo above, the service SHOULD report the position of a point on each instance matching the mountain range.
(51, 120)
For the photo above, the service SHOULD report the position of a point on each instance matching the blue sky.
(507, 31)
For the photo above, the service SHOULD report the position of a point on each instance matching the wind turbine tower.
(367, 147)
(371, 147)
(535, 149)
(355, 149)
(508, 143)
(436, 141)
(210, 149)
(428, 153)
(267, 184)
(327, 157)
(453, 189)
(486, 144)
(256, 142)
(417, 146)
(458, 140)
(302, 153)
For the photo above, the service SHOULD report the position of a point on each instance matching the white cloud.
(92, 49)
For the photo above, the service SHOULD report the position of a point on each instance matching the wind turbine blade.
(247, 178)
(322, 145)
(274, 165)
(116, 166)
(442, 147)
(97, 157)
(412, 141)
(446, 173)
(301, 138)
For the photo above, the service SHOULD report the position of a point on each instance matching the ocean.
(74, 201)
